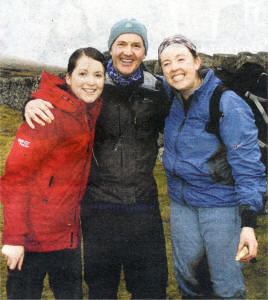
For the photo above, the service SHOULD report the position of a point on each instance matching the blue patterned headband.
(176, 39)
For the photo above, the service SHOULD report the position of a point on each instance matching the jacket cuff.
(13, 240)
(248, 217)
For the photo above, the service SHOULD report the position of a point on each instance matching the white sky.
(48, 31)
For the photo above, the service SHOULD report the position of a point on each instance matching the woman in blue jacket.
(213, 212)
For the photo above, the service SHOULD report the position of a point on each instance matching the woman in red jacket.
(44, 181)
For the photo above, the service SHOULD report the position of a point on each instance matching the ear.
(198, 62)
(68, 79)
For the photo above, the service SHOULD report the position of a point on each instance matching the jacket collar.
(56, 91)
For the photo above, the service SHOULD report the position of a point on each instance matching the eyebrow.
(86, 70)
(178, 55)
(131, 42)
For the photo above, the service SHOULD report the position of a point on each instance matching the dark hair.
(89, 52)
(193, 52)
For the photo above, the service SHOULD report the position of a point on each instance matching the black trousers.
(63, 268)
(133, 241)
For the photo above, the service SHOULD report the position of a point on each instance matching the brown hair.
(89, 52)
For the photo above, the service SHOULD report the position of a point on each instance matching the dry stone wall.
(14, 92)
(229, 62)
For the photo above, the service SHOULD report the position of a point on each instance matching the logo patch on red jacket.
(23, 143)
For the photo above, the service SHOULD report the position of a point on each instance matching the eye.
(99, 75)
(82, 74)
(137, 46)
(166, 64)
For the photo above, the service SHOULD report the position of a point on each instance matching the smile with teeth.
(127, 61)
(89, 90)
(177, 77)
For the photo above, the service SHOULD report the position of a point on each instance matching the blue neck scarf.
(123, 81)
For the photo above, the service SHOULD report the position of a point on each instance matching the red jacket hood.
(56, 91)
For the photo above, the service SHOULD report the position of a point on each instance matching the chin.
(126, 71)
(90, 100)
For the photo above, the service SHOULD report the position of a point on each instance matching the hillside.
(17, 67)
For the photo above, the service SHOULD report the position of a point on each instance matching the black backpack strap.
(215, 114)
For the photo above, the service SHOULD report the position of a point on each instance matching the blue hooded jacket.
(197, 164)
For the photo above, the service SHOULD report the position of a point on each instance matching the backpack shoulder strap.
(215, 114)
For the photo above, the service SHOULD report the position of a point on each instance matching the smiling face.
(127, 53)
(180, 68)
(86, 79)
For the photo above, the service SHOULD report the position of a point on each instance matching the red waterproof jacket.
(47, 171)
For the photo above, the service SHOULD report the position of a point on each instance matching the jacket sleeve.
(240, 135)
(27, 153)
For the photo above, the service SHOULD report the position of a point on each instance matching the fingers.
(33, 115)
(12, 263)
(46, 103)
(20, 262)
(38, 116)
(240, 247)
(48, 111)
(42, 104)
(247, 239)
(252, 252)
(44, 115)
(14, 256)
(29, 121)
(38, 111)
(241, 253)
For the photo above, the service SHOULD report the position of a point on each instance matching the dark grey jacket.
(125, 146)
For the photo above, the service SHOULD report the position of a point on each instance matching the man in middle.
(121, 221)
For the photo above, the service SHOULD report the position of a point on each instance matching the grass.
(256, 274)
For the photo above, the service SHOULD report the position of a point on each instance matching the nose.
(128, 50)
(90, 80)
(174, 66)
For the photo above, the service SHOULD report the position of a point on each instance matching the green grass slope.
(256, 274)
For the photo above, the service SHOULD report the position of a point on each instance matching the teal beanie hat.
(128, 26)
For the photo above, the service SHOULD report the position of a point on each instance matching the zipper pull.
(95, 157)
(117, 145)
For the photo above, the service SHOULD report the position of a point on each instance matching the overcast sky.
(48, 31)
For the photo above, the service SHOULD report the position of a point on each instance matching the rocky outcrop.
(14, 92)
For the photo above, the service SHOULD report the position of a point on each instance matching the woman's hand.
(248, 239)
(14, 256)
(39, 111)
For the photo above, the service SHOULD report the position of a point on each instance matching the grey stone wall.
(229, 62)
(14, 92)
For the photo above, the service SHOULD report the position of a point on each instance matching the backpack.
(257, 104)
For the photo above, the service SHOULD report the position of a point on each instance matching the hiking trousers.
(64, 270)
(132, 241)
(211, 231)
